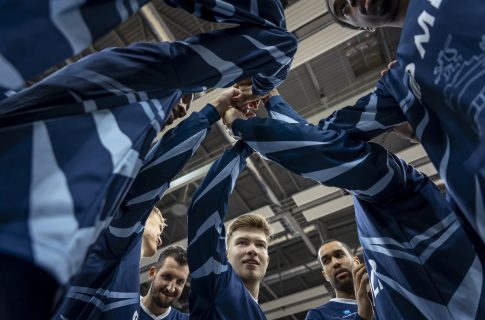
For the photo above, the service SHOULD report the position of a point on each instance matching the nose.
(335, 263)
(171, 287)
(251, 250)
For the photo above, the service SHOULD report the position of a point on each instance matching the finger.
(359, 271)
(254, 104)
(239, 103)
(363, 283)
(250, 113)
(170, 119)
(238, 97)
(357, 267)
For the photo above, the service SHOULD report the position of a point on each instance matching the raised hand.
(245, 96)
(224, 101)
(361, 282)
(231, 115)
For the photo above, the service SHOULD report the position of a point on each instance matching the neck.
(253, 288)
(143, 248)
(148, 302)
(146, 250)
(345, 294)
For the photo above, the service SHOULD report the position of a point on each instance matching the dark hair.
(346, 246)
(178, 253)
(340, 22)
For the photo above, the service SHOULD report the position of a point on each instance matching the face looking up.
(247, 252)
(367, 14)
(337, 265)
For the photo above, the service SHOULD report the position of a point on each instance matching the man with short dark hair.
(349, 279)
(168, 277)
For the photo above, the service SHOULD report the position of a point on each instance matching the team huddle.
(85, 170)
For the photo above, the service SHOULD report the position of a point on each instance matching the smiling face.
(168, 282)
(337, 265)
(247, 252)
(369, 13)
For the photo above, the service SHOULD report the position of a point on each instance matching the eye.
(242, 242)
(326, 261)
(261, 245)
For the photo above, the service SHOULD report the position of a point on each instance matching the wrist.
(365, 314)
(220, 107)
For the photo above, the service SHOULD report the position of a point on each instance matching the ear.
(356, 260)
(152, 272)
(324, 274)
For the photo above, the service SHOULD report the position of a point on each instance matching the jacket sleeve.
(71, 32)
(279, 109)
(163, 163)
(371, 115)
(330, 157)
(206, 233)
(145, 71)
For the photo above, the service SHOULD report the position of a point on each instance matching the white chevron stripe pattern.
(210, 266)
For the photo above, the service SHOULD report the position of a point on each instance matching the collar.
(154, 317)
(343, 300)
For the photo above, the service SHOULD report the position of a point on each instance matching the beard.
(344, 285)
(156, 298)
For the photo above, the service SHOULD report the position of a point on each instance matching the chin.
(150, 252)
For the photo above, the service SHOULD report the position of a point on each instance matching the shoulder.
(176, 314)
(317, 313)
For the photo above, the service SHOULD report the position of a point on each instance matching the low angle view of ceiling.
(333, 67)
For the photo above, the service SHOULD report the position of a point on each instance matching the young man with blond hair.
(151, 239)
(226, 272)
(247, 249)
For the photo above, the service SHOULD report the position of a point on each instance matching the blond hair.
(249, 220)
(157, 213)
